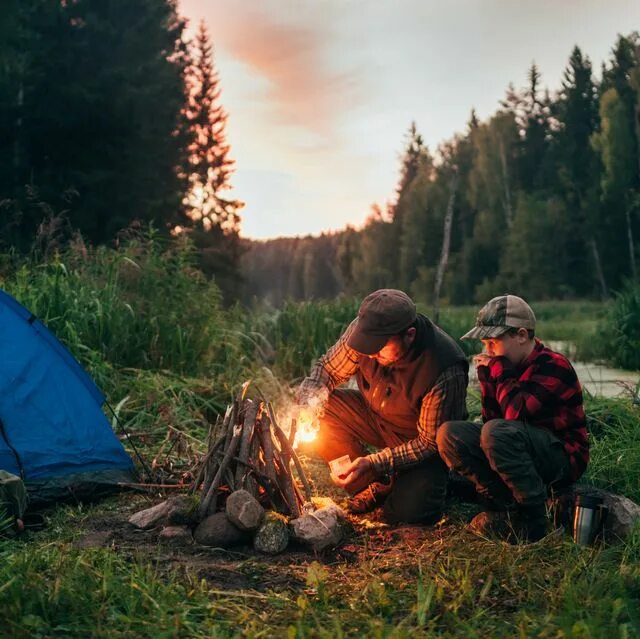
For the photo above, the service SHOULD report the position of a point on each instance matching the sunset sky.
(320, 93)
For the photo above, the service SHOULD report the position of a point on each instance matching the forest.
(541, 198)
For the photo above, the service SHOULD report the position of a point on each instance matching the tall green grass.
(144, 305)
(616, 338)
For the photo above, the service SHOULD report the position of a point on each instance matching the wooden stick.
(292, 432)
(209, 463)
(267, 445)
(254, 456)
(229, 453)
(248, 427)
(232, 422)
(285, 481)
(284, 442)
(285, 484)
(205, 465)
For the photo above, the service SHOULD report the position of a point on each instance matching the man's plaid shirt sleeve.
(335, 367)
(445, 401)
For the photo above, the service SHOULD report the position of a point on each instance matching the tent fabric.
(51, 420)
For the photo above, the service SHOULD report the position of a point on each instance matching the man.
(534, 434)
(411, 377)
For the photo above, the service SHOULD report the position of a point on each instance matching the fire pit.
(251, 486)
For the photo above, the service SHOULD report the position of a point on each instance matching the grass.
(156, 339)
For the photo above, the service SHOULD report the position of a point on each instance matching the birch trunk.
(446, 246)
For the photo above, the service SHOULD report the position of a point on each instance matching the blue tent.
(53, 432)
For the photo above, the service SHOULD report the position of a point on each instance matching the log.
(249, 424)
(229, 453)
(208, 466)
(284, 442)
(266, 440)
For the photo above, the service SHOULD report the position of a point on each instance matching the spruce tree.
(209, 165)
(576, 112)
(212, 217)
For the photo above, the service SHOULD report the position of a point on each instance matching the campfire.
(250, 451)
(250, 485)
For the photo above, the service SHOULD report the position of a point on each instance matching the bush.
(617, 338)
(144, 305)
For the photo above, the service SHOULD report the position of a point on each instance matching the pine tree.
(577, 117)
(95, 90)
(212, 218)
(209, 166)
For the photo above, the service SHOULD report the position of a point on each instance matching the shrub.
(617, 338)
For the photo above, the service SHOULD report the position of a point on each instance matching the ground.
(91, 574)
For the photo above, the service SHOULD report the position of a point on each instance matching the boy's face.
(515, 348)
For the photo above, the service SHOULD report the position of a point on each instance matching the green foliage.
(301, 332)
(143, 306)
(91, 100)
(617, 339)
(615, 445)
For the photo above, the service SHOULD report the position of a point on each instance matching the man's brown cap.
(500, 314)
(382, 314)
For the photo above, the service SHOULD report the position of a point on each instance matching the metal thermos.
(588, 516)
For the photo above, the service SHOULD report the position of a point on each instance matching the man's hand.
(358, 472)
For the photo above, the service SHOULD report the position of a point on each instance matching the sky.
(320, 93)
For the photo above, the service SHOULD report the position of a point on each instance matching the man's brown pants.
(418, 493)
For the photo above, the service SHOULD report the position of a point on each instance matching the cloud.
(301, 87)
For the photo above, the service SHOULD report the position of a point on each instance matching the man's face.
(515, 348)
(395, 348)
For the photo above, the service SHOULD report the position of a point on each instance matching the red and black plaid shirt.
(544, 391)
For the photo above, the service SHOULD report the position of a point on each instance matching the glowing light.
(307, 431)
(308, 427)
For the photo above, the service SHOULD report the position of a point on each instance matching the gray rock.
(179, 510)
(623, 515)
(150, 517)
(177, 535)
(182, 511)
(244, 511)
(321, 529)
(216, 530)
(273, 535)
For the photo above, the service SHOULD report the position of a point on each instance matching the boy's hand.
(482, 359)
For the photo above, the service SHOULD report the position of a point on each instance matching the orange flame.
(308, 427)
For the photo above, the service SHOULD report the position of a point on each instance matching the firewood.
(284, 442)
(248, 427)
(285, 483)
(229, 453)
(285, 480)
(266, 440)
(209, 465)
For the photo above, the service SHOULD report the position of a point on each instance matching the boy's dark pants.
(418, 493)
(506, 460)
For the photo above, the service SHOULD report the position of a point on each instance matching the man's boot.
(370, 498)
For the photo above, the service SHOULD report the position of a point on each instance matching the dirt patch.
(242, 567)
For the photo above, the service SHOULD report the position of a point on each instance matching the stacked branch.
(248, 450)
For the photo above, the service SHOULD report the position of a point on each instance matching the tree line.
(111, 116)
(542, 198)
